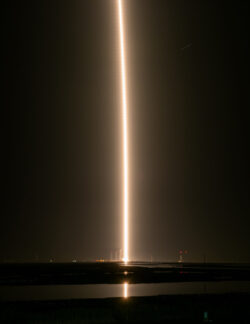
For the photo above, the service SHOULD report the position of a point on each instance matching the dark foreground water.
(66, 292)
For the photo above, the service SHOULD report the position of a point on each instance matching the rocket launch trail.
(124, 137)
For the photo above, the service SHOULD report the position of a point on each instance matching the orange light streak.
(125, 137)
(125, 290)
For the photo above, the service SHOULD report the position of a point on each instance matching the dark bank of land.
(115, 272)
(192, 308)
(226, 308)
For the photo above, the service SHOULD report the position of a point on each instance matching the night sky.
(188, 99)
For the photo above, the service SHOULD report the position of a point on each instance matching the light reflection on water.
(124, 290)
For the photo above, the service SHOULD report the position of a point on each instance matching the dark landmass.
(196, 308)
(114, 272)
(226, 308)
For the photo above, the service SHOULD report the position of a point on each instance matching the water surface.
(62, 292)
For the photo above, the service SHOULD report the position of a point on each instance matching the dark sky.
(188, 95)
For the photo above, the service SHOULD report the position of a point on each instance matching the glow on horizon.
(125, 137)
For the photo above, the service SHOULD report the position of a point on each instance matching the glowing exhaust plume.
(125, 137)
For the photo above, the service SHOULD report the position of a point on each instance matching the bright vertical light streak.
(125, 137)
